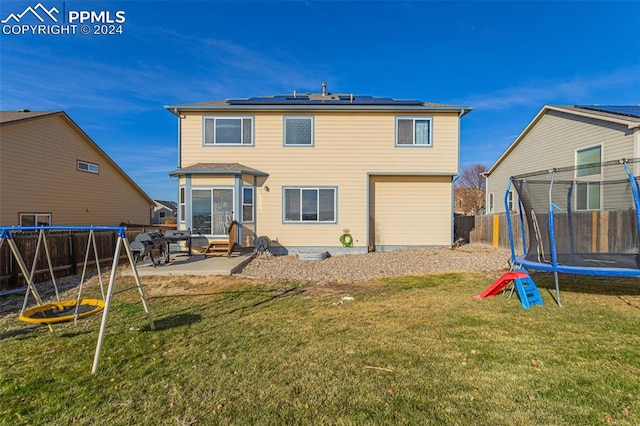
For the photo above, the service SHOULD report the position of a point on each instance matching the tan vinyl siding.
(347, 146)
(248, 235)
(209, 181)
(410, 210)
(340, 141)
(552, 142)
(38, 163)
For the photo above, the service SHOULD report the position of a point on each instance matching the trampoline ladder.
(528, 292)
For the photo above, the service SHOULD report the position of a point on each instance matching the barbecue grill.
(146, 242)
(174, 236)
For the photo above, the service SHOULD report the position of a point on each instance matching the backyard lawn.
(411, 350)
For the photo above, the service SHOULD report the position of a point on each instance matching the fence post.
(72, 254)
(14, 280)
(496, 230)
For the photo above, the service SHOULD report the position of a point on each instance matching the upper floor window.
(88, 167)
(588, 161)
(228, 131)
(413, 131)
(298, 131)
(35, 219)
(510, 201)
(491, 202)
(310, 205)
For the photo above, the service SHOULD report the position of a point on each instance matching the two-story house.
(164, 212)
(564, 136)
(303, 170)
(53, 173)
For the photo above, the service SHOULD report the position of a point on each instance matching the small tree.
(469, 188)
(471, 176)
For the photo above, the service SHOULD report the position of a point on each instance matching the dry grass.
(410, 350)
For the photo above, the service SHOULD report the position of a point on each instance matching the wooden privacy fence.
(462, 227)
(586, 232)
(67, 250)
(492, 229)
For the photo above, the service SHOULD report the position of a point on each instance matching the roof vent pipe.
(324, 89)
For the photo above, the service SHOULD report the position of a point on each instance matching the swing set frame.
(38, 314)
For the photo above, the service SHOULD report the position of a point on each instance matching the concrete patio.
(198, 264)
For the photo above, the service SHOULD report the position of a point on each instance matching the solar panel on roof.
(306, 100)
(628, 110)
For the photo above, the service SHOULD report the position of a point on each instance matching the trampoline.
(579, 220)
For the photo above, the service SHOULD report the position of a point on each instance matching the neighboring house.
(468, 201)
(562, 136)
(52, 173)
(303, 169)
(164, 210)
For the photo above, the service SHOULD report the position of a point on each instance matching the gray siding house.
(164, 210)
(562, 136)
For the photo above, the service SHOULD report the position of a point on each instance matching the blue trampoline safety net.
(584, 217)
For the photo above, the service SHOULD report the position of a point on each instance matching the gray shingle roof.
(318, 101)
(220, 168)
(13, 116)
(624, 110)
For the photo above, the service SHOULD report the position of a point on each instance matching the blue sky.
(504, 59)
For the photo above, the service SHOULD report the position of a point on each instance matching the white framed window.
(588, 161)
(510, 201)
(35, 219)
(236, 131)
(588, 176)
(247, 204)
(491, 202)
(588, 196)
(309, 205)
(84, 166)
(414, 131)
(298, 131)
(183, 204)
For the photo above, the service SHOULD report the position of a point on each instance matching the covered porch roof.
(217, 169)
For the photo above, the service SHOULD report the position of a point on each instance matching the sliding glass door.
(212, 211)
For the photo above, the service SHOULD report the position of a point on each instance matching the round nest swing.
(64, 311)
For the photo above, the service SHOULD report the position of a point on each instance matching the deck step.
(217, 248)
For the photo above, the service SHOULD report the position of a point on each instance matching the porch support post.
(187, 202)
(237, 214)
(255, 207)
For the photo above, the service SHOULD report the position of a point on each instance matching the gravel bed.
(361, 267)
